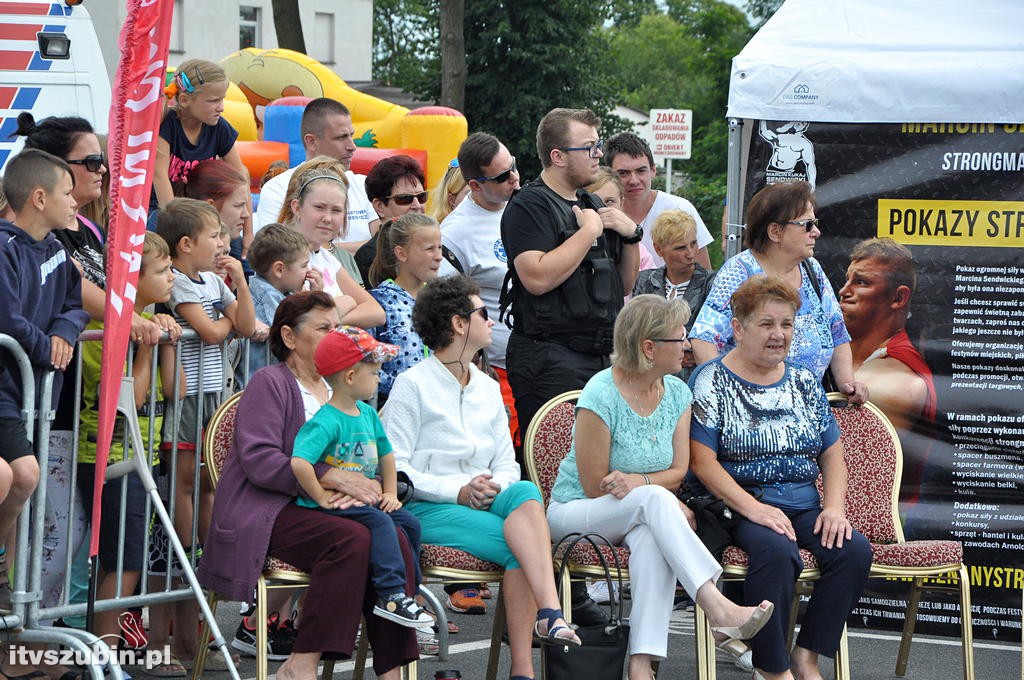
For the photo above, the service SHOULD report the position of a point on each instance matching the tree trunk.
(453, 54)
(288, 26)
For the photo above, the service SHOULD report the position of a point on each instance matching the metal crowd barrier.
(30, 614)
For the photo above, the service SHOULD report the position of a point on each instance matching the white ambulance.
(51, 65)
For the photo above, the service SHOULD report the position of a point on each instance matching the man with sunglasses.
(630, 157)
(326, 130)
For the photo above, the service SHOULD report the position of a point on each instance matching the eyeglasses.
(501, 177)
(679, 340)
(93, 162)
(807, 224)
(407, 199)
(482, 310)
(593, 150)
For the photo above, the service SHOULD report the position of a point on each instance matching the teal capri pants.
(478, 532)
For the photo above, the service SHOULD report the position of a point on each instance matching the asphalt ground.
(872, 654)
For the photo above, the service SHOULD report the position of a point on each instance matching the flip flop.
(173, 668)
(750, 627)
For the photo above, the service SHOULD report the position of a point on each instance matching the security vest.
(580, 313)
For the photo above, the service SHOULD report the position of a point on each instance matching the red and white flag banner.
(135, 110)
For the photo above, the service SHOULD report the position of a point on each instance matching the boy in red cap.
(347, 434)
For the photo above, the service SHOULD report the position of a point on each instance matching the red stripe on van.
(18, 31)
(24, 8)
(14, 61)
(7, 96)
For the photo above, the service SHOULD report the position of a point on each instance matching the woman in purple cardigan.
(254, 514)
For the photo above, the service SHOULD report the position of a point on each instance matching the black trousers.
(539, 370)
(775, 565)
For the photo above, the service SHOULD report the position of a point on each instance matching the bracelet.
(647, 480)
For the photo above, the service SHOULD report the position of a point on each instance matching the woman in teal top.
(630, 452)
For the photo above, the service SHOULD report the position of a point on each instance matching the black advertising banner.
(953, 194)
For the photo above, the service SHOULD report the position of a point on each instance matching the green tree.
(682, 59)
(526, 57)
(406, 36)
(762, 10)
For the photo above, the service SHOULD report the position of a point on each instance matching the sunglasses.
(482, 310)
(93, 162)
(407, 199)
(808, 224)
(501, 177)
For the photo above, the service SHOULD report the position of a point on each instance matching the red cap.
(346, 346)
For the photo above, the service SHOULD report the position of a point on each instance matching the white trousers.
(663, 549)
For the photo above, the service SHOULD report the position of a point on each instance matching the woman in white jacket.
(449, 430)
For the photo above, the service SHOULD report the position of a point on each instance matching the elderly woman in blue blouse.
(629, 454)
(780, 235)
(762, 432)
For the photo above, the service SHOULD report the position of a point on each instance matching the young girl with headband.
(408, 255)
(193, 129)
(318, 208)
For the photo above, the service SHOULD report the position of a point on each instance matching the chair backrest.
(548, 440)
(219, 436)
(874, 462)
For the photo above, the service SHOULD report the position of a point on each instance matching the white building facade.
(338, 33)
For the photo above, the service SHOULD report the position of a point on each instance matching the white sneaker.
(598, 591)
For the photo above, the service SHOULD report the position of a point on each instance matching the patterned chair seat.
(583, 555)
(917, 554)
(439, 556)
(274, 564)
(734, 557)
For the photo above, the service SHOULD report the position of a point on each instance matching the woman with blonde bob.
(629, 455)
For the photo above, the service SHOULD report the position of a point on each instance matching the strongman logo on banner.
(790, 148)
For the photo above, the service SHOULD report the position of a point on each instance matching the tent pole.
(733, 202)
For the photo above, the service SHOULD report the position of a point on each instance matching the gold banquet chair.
(874, 460)
(547, 443)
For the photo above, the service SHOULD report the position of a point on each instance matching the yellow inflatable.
(265, 75)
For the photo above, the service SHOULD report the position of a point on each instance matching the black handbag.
(603, 654)
(715, 521)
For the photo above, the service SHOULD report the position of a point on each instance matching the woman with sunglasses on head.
(780, 235)
(449, 192)
(449, 430)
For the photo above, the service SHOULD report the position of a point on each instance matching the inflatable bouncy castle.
(278, 83)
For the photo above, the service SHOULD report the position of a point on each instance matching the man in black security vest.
(571, 260)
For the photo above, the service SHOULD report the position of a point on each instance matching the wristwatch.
(637, 236)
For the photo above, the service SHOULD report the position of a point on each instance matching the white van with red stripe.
(51, 65)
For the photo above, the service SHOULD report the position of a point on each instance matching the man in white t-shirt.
(326, 130)
(471, 236)
(472, 231)
(631, 159)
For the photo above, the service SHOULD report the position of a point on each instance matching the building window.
(248, 26)
(323, 37)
